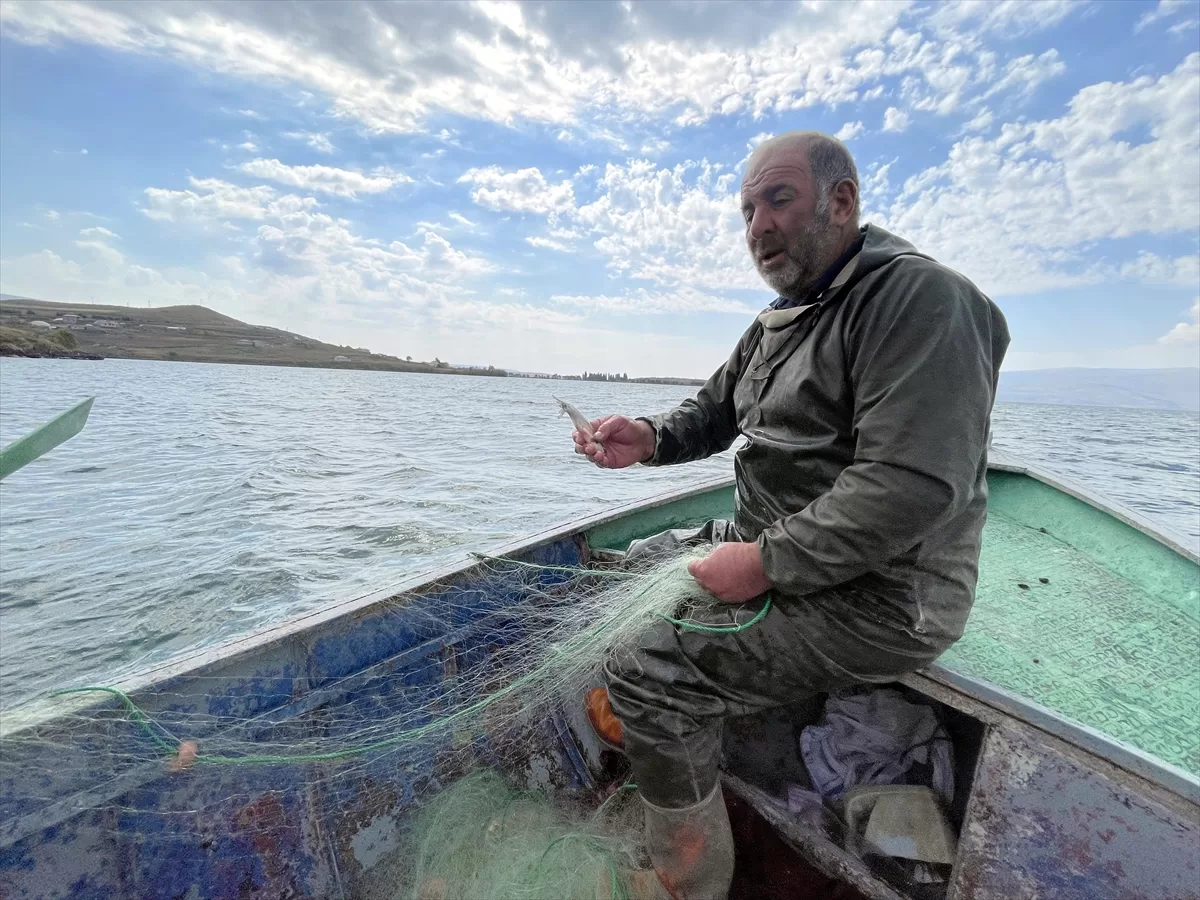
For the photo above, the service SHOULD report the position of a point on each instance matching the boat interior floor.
(1053, 625)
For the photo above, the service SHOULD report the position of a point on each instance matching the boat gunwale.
(1163, 534)
(1002, 705)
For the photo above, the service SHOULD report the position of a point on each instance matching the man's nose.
(760, 223)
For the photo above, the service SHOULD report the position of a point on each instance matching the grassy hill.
(192, 334)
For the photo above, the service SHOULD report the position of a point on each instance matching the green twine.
(731, 628)
(148, 725)
(268, 759)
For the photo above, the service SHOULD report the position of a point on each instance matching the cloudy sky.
(552, 186)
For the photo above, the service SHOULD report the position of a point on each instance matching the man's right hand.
(619, 442)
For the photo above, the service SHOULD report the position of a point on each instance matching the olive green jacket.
(866, 422)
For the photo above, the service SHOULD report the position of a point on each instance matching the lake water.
(206, 501)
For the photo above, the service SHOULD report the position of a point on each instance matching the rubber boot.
(692, 848)
(603, 721)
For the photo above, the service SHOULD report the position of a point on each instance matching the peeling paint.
(1041, 825)
(375, 841)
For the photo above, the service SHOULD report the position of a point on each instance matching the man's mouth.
(772, 258)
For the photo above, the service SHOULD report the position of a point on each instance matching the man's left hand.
(733, 572)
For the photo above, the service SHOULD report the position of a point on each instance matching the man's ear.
(843, 202)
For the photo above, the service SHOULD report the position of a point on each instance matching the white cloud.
(462, 220)
(1025, 73)
(52, 214)
(1185, 332)
(389, 71)
(248, 146)
(1020, 212)
(98, 233)
(83, 152)
(850, 131)
(981, 122)
(755, 141)
(1006, 18)
(326, 179)
(525, 190)
(676, 227)
(895, 119)
(547, 244)
(297, 265)
(1165, 9)
(655, 147)
(1149, 268)
(318, 141)
(1186, 25)
(213, 199)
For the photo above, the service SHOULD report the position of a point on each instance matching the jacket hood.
(881, 247)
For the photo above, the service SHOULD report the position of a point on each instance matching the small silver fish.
(581, 424)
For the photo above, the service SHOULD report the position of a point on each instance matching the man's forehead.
(777, 169)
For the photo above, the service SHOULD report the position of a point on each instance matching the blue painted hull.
(87, 828)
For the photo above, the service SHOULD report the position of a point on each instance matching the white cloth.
(876, 737)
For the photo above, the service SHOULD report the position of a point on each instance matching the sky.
(554, 186)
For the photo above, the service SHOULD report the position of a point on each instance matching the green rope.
(333, 755)
(731, 628)
(140, 717)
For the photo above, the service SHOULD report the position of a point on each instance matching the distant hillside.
(1139, 388)
(193, 334)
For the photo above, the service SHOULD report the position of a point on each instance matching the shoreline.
(414, 370)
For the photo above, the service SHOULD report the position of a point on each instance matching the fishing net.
(394, 753)
(481, 838)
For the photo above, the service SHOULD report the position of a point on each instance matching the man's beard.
(808, 255)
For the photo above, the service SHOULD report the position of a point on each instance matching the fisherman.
(864, 395)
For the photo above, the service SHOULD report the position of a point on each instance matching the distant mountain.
(1139, 388)
(187, 334)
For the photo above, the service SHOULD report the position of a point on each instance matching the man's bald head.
(827, 159)
(800, 205)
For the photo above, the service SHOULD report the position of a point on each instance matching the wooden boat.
(1072, 701)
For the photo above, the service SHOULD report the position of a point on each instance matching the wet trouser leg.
(672, 690)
